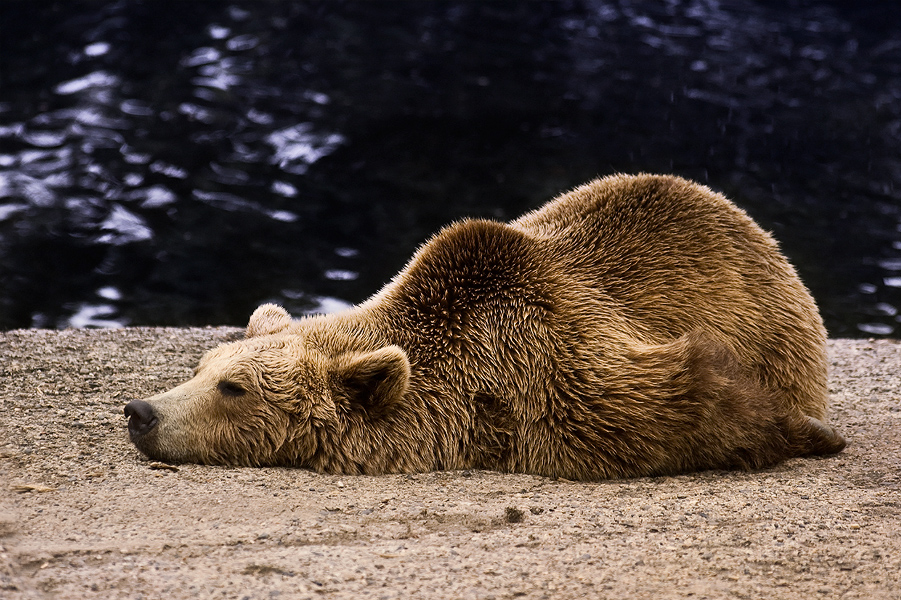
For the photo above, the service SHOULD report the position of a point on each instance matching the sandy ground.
(84, 515)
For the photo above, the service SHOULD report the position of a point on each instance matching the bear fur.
(638, 325)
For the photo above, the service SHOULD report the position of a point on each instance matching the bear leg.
(810, 436)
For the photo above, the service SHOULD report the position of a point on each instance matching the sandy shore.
(84, 515)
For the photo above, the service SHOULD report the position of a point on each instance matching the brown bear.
(638, 325)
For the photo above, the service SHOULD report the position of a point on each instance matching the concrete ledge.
(83, 515)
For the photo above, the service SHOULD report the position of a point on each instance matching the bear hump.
(474, 257)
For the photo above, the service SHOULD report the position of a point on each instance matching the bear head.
(274, 398)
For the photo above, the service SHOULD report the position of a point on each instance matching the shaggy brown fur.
(634, 326)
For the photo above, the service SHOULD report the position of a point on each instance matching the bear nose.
(140, 417)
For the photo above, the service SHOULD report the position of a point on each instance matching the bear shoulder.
(473, 258)
(472, 277)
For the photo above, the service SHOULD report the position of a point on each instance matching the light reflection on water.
(297, 147)
(160, 172)
(123, 227)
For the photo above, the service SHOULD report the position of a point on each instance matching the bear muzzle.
(141, 419)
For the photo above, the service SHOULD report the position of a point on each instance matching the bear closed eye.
(638, 325)
(229, 388)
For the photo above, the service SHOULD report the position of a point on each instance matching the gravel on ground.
(83, 515)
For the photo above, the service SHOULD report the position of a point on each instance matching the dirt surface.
(84, 515)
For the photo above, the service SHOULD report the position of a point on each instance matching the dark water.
(181, 162)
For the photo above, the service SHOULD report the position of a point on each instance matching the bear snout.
(141, 419)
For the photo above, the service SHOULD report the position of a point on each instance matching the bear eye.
(230, 388)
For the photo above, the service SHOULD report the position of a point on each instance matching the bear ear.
(267, 319)
(375, 379)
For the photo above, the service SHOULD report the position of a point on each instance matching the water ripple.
(92, 80)
(233, 203)
(155, 196)
(298, 146)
